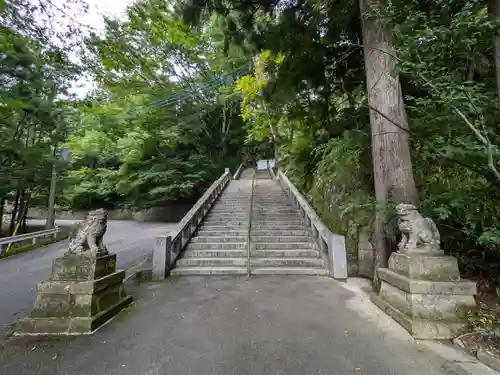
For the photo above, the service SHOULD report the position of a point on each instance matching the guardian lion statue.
(90, 234)
(419, 234)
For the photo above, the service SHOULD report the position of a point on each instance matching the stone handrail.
(271, 171)
(250, 218)
(167, 248)
(34, 236)
(236, 175)
(330, 243)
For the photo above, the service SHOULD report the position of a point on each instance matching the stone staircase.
(219, 246)
(279, 244)
(262, 174)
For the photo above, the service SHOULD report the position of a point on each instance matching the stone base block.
(425, 267)
(78, 299)
(427, 309)
(82, 267)
(65, 307)
(420, 328)
(67, 326)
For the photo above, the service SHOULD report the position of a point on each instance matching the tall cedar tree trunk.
(23, 210)
(12, 226)
(20, 211)
(392, 166)
(494, 10)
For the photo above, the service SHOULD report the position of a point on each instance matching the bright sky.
(94, 19)
(114, 8)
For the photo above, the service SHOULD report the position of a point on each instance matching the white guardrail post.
(34, 237)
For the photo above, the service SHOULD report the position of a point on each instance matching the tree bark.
(23, 211)
(494, 10)
(20, 211)
(392, 166)
(12, 226)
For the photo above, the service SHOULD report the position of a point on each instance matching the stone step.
(278, 211)
(280, 227)
(287, 262)
(215, 253)
(235, 215)
(243, 206)
(282, 245)
(212, 262)
(313, 271)
(223, 206)
(280, 239)
(219, 232)
(292, 253)
(275, 223)
(292, 218)
(238, 214)
(216, 221)
(279, 215)
(218, 239)
(216, 245)
(230, 211)
(226, 202)
(278, 232)
(277, 201)
(273, 219)
(223, 228)
(206, 271)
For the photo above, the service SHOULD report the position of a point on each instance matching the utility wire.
(183, 95)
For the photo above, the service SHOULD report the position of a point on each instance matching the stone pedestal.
(365, 254)
(425, 295)
(81, 295)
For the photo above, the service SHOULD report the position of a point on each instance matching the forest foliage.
(316, 109)
(160, 122)
(184, 89)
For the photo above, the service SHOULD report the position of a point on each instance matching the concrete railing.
(34, 237)
(236, 175)
(167, 248)
(331, 244)
(271, 171)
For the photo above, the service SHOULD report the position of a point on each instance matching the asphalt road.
(267, 325)
(131, 241)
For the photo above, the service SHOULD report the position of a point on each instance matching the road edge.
(457, 362)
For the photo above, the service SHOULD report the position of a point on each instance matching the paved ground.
(19, 274)
(265, 325)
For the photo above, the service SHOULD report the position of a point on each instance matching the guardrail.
(236, 175)
(167, 248)
(34, 236)
(330, 243)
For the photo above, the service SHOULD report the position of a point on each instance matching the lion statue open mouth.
(90, 234)
(419, 234)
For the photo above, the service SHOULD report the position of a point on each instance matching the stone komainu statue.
(90, 234)
(419, 234)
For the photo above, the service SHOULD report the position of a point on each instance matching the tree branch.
(482, 138)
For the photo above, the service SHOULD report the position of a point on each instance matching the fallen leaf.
(356, 369)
